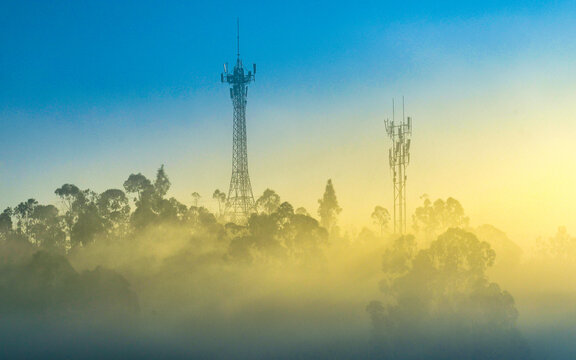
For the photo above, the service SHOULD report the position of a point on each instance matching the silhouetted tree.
(22, 212)
(114, 209)
(151, 205)
(47, 229)
(88, 225)
(6, 224)
(82, 220)
(329, 209)
(195, 198)
(171, 210)
(144, 213)
(220, 197)
(397, 259)
(434, 218)
(305, 238)
(268, 202)
(381, 217)
(140, 185)
(205, 227)
(39, 225)
(162, 183)
(280, 235)
(284, 212)
(68, 193)
(302, 211)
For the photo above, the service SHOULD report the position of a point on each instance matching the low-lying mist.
(96, 278)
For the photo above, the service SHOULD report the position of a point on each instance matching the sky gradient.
(93, 91)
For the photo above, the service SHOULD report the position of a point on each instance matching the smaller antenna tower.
(399, 158)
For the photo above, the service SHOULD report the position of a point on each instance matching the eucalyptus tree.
(268, 202)
(381, 217)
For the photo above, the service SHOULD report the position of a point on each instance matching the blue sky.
(91, 91)
(78, 54)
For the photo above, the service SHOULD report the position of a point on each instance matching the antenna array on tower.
(399, 158)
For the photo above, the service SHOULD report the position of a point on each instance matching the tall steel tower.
(399, 157)
(240, 202)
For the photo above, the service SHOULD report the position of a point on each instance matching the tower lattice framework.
(399, 158)
(240, 201)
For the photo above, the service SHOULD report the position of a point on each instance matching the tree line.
(434, 286)
(84, 217)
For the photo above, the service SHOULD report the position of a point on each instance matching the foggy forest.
(287, 180)
(131, 272)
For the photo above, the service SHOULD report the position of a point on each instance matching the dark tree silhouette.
(68, 193)
(440, 303)
(220, 197)
(195, 198)
(23, 212)
(47, 229)
(138, 184)
(162, 183)
(6, 224)
(82, 220)
(114, 208)
(381, 217)
(88, 225)
(302, 211)
(434, 218)
(279, 235)
(268, 202)
(329, 209)
(151, 206)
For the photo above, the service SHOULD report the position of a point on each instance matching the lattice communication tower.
(399, 157)
(240, 201)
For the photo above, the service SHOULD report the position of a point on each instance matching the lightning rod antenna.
(403, 117)
(238, 35)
